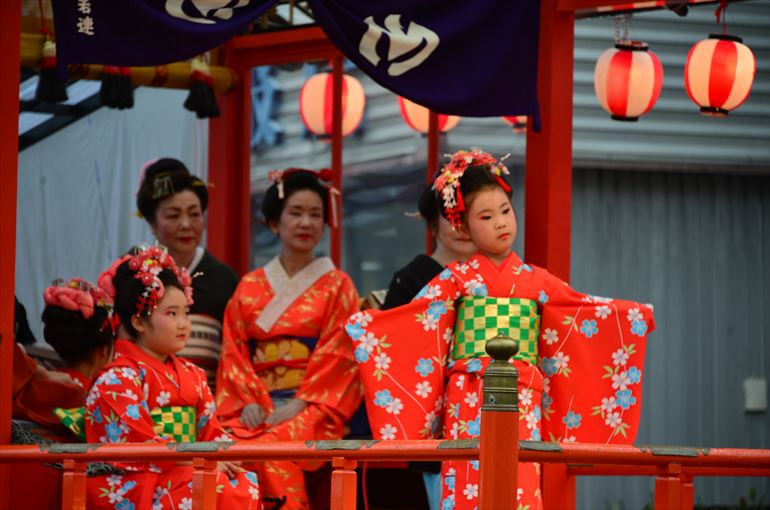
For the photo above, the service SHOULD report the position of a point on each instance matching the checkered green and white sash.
(175, 422)
(481, 318)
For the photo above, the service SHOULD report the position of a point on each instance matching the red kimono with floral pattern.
(123, 407)
(300, 352)
(586, 388)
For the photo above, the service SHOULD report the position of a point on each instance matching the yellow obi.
(282, 362)
(175, 422)
(481, 318)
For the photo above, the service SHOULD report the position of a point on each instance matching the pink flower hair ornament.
(447, 183)
(146, 264)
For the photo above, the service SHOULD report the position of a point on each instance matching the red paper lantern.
(315, 104)
(416, 117)
(627, 80)
(517, 122)
(719, 73)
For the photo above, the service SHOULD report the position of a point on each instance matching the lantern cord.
(721, 15)
(622, 27)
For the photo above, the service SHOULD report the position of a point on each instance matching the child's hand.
(230, 469)
(287, 412)
(252, 416)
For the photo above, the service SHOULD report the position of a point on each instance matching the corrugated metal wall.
(698, 248)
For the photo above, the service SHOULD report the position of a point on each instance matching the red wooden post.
(343, 484)
(549, 152)
(668, 488)
(73, 494)
(10, 40)
(204, 488)
(499, 442)
(336, 233)
(432, 165)
(688, 493)
(558, 487)
(229, 214)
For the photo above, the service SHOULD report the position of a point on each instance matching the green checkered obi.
(481, 318)
(175, 422)
(73, 419)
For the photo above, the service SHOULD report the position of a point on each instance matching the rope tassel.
(201, 98)
(50, 88)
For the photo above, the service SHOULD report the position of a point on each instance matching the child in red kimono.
(580, 357)
(148, 394)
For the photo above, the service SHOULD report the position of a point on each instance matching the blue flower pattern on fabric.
(547, 401)
(97, 415)
(639, 328)
(536, 412)
(113, 432)
(132, 411)
(535, 435)
(634, 375)
(474, 427)
(589, 328)
(625, 399)
(251, 477)
(361, 354)
(475, 465)
(526, 267)
(424, 367)
(542, 298)
(354, 330)
(548, 365)
(480, 291)
(449, 501)
(572, 420)
(474, 365)
(445, 274)
(436, 309)
(382, 398)
(422, 293)
(125, 505)
(202, 422)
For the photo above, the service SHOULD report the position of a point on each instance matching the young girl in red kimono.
(287, 371)
(148, 394)
(580, 357)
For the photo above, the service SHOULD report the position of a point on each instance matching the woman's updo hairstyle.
(289, 182)
(129, 293)
(429, 206)
(163, 178)
(72, 336)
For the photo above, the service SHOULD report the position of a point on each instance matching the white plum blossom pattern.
(388, 432)
(423, 389)
(603, 311)
(551, 336)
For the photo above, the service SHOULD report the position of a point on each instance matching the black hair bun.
(164, 178)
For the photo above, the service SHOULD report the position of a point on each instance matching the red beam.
(432, 167)
(343, 490)
(613, 470)
(336, 231)
(281, 47)
(10, 41)
(549, 153)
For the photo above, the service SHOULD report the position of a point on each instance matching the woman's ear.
(273, 226)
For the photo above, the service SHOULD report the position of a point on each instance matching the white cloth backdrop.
(76, 199)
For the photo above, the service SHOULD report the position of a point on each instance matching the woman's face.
(178, 223)
(458, 244)
(301, 224)
(491, 222)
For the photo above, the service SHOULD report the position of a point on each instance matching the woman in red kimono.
(287, 370)
(580, 357)
(147, 394)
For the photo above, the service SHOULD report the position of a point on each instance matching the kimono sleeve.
(592, 357)
(208, 427)
(117, 411)
(331, 379)
(402, 354)
(237, 383)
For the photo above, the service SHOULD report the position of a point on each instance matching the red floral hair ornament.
(79, 295)
(447, 184)
(146, 264)
(326, 176)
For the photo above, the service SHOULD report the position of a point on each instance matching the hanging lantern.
(315, 104)
(416, 117)
(719, 73)
(627, 80)
(517, 122)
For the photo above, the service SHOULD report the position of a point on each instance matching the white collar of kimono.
(196, 259)
(286, 289)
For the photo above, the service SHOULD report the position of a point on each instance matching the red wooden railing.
(498, 451)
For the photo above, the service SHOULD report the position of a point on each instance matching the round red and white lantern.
(719, 73)
(517, 122)
(416, 117)
(315, 104)
(627, 80)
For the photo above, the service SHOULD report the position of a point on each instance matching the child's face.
(167, 329)
(491, 223)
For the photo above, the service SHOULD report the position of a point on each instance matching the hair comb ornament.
(447, 183)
